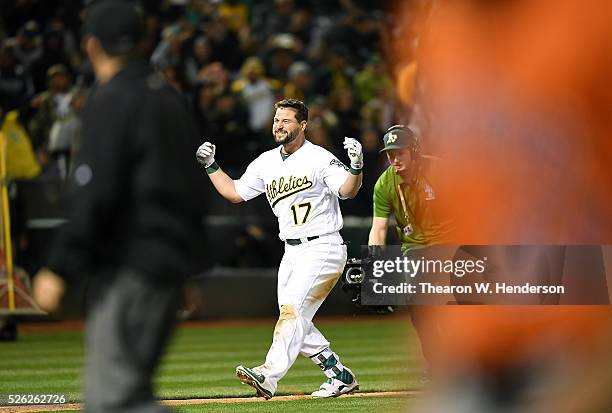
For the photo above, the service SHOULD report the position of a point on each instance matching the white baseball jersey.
(302, 189)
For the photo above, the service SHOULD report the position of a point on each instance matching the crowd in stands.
(231, 60)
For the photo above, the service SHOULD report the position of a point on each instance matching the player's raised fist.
(206, 154)
(355, 153)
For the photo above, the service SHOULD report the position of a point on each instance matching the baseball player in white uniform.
(302, 183)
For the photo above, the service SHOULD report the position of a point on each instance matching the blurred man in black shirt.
(132, 215)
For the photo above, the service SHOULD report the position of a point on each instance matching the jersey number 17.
(295, 208)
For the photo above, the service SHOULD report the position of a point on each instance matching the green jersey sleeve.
(382, 203)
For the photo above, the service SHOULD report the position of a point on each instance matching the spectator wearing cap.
(300, 85)
(281, 51)
(132, 228)
(258, 93)
(52, 109)
(28, 48)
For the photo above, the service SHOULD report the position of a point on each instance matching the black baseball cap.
(398, 137)
(116, 24)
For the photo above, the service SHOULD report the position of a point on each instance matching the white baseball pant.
(306, 275)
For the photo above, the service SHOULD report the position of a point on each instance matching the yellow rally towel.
(21, 163)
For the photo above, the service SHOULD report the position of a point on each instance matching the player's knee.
(288, 312)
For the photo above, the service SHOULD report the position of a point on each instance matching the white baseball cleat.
(255, 379)
(343, 383)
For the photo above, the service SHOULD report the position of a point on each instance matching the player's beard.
(289, 137)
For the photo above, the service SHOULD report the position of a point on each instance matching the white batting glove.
(353, 147)
(206, 154)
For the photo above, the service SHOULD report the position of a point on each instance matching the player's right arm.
(222, 182)
(225, 186)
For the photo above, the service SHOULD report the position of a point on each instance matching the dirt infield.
(183, 402)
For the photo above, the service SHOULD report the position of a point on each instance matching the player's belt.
(298, 241)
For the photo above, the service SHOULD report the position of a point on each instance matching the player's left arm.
(351, 185)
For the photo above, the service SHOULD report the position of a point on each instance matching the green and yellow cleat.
(254, 379)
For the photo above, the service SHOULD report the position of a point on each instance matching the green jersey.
(411, 207)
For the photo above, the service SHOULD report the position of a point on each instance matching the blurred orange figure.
(519, 98)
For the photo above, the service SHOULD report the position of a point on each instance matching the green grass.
(361, 405)
(373, 404)
(200, 363)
